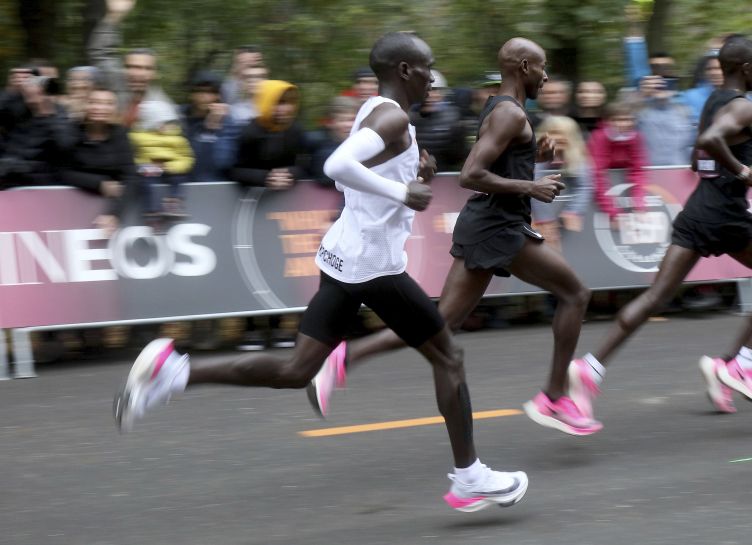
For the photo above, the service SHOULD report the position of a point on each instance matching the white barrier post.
(4, 375)
(23, 354)
(744, 286)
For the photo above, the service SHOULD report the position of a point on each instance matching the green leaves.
(318, 43)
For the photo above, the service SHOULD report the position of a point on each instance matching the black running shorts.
(397, 299)
(711, 238)
(496, 253)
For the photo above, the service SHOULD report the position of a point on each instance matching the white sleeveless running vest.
(368, 239)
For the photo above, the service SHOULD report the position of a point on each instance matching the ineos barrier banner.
(252, 250)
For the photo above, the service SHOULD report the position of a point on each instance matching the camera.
(50, 86)
(671, 84)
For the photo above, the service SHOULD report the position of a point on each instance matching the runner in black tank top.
(486, 214)
(493, 233)
(715, 221)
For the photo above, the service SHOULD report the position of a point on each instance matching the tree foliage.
(318, 43)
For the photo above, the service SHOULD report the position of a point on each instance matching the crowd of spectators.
(113, 131)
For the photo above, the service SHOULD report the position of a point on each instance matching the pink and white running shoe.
(721, 396)
(149, 382)
(736, 377)
(583, 388)
(562, 415)
(496, 488)
(332, 375)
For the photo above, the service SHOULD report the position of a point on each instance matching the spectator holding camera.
(617, 144)
(37, 135)
(101, 160)
(664, 123)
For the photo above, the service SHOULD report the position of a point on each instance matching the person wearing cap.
(471, 101)
(438, 126)
(202, 120)
(365, 85)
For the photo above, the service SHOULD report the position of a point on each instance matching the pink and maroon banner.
(252, 251)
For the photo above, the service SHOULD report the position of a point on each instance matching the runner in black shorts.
(493, 234)
(715, 221)
(378, 167)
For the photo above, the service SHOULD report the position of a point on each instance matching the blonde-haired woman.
(572, 160)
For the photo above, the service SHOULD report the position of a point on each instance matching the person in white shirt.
(362, 261)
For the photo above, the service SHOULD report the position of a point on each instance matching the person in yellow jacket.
(163, 155)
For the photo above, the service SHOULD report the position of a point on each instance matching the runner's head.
(524, 62)
(736, 59)
(402, 59)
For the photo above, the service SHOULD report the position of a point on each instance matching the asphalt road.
(228, 466)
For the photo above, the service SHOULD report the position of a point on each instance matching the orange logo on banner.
(300, 236)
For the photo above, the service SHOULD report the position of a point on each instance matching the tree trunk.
(38, 21)
(655, 34)
(564, 61)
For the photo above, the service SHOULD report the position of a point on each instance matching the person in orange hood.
(267, 151)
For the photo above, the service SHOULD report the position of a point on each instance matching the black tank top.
(486, 214)
(720, 196)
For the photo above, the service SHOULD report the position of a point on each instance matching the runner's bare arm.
(503, 126)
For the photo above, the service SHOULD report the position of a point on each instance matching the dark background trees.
(318, 43)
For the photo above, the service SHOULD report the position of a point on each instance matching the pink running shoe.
(149, 382)
(562, 415)
(721, 396)
(582, 387)
(736, 377)
(495, 488)
(331, 375)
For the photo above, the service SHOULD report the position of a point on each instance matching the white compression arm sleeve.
(345, 166)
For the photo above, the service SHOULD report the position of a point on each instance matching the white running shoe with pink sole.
(583, 388)
(332, 375)
(148, 383)
(495, 488)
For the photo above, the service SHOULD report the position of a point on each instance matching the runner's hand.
(546, 146)
(419, 195)
(427, 166)
(118, 9)
(547, 188)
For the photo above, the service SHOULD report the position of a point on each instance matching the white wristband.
(744, 174)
